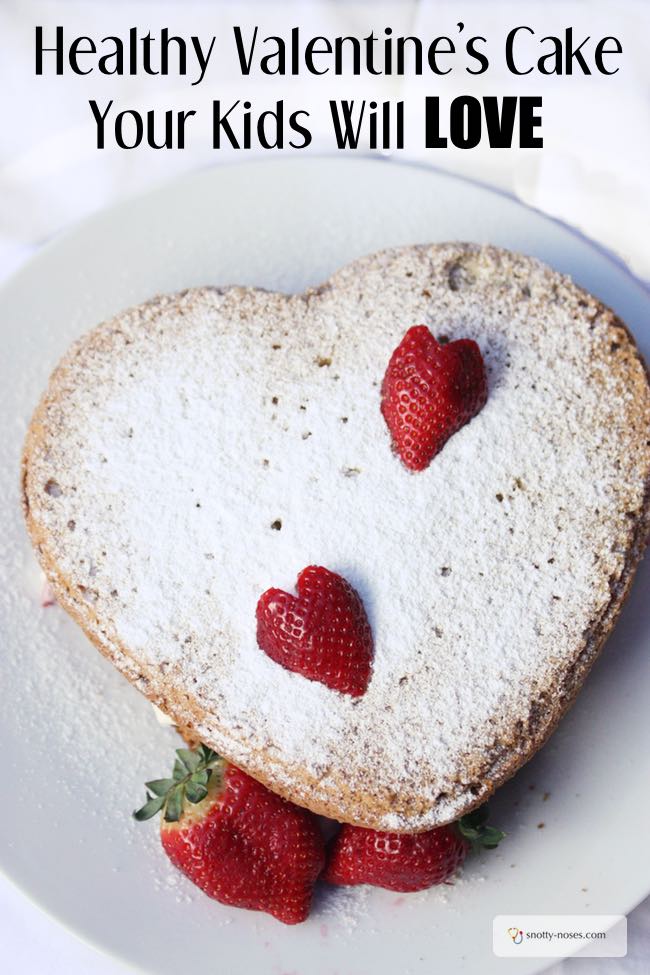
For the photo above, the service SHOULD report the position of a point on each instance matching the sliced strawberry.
(322, 633)
(238, 842)
(429, 392)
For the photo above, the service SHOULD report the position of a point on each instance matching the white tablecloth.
(592, 173)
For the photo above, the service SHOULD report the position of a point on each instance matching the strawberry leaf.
(190, 777)
(152, 806)
(174, 804)
(491, 838)
(191, 760)
(473, 828)
(160, 787)
(195, 792)
(477, 817)
(207, 755)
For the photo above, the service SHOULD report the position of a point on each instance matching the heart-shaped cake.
(203, 448)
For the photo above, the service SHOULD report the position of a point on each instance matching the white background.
(592, 173)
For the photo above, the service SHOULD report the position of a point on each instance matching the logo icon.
(517, 935)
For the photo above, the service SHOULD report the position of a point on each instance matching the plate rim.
(95, 217)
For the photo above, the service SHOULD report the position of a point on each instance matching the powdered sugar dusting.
(341, 908)
(190, 429)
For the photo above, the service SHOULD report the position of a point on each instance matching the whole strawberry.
(238, 842)
(429, 392)
(406, 862)
(322, 633)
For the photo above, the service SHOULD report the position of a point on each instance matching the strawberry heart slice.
(429, 392)
(322, 633)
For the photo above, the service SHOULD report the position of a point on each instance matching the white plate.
(78, 741)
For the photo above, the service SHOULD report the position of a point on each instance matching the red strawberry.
(429, 392)
(322, 633)
(406, 862)
(238, 842)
